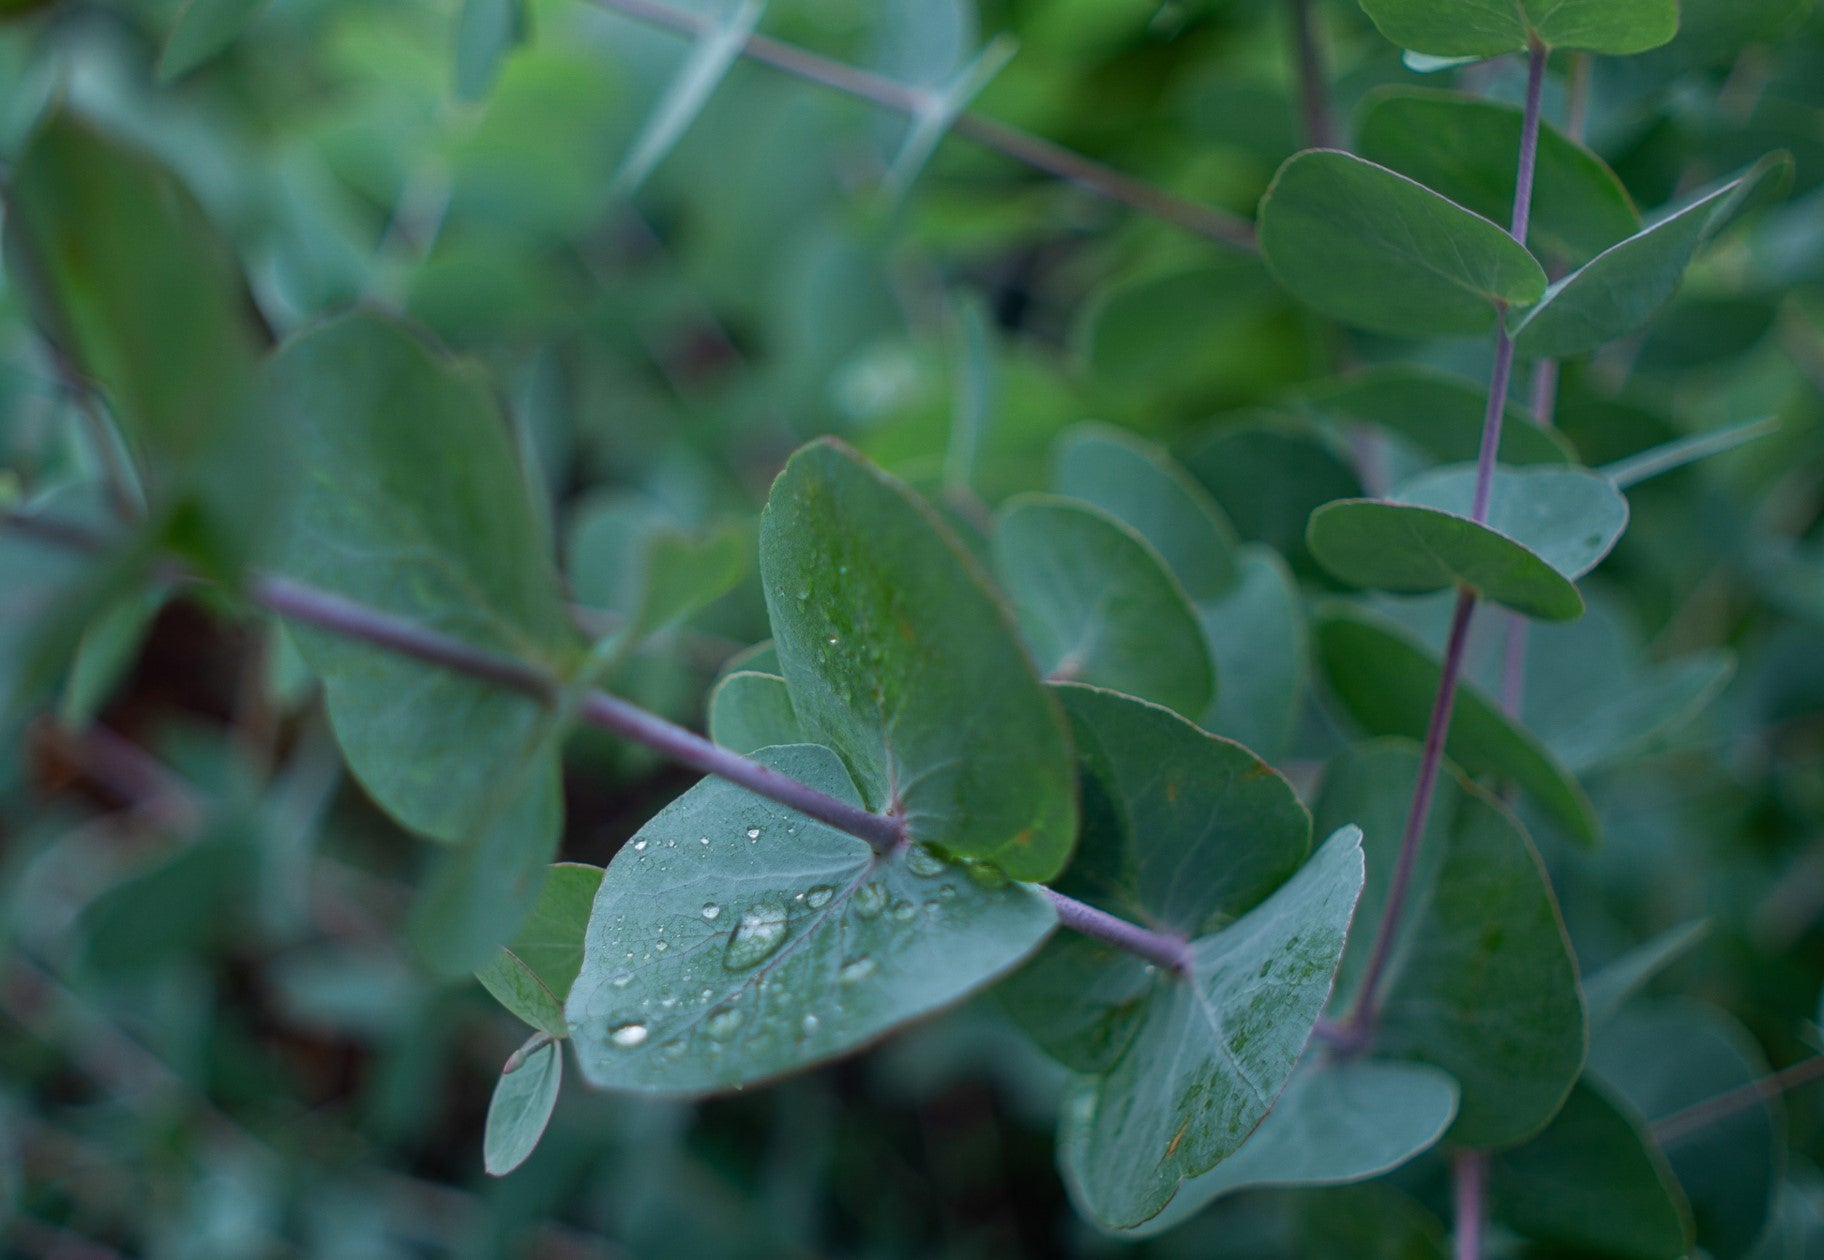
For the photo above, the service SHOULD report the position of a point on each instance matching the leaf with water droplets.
(1182, 831)
(1213, 1048)
(778, 944)
(900, 657)
(1098, 604)
(520, 1109)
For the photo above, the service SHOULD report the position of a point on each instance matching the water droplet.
(870, 900)
(639, 846)
(809, 1024)
(662, 946)
(947, 891)
(819, 897)
(753, 833)
(711, 910)
(756, 938)
(833, 640)
(627, 1036)
(904, 910)
(722, 1024)
(856, 971)
(921, 861)
(804, 593)
(703, 840)
(624, 979)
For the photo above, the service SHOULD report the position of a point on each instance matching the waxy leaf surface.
(1467, 148)
(1478, 28)
(1482, 982)
(1372, 248)
(1213, 1048)
(734, 940)
(1387, 681)
(1258, 638)
(1183, 832)
(1594, 1182)
(900, 657)
(1439, 413)
(1144, 488)
(521, 1107)
(749, 711)
(1339, 1121)
(1098, 605)
(1618, 290)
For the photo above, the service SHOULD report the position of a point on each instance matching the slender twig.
(1022, 146)
(1313, 82)
(1359, 1029)
(325, 610)
(1682, 1124)
(1469, 1178)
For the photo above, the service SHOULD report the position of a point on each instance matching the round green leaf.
(1182, 831)
(1483, 983)
(898, 655)
(1465, 148)
(1388, 682)
(1593, 1182)
(1213, 1048)
(1618, 290)
(1144, 488)
(521, 1107)
(1569, 517)
(1372, 248)
(1098, 605)
(749, 711)
(1258, 638)
(1339, 1121)
(733, 940)
(1471, 28)
(1269, 475)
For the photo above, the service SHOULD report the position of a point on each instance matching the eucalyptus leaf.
(1482, 982)
(521, 1107)
(703, 71)
(1368, 246)
(1183, 832)
(1269, 475)
(1339, 1122)
(1469, 28)
(1569, 517)
(898, 655)
(1098, 605)
(486, 31)
(1593, 1181)
(1465, 147)
(1609, 989)
(733, 940)
(1213, 1049)
(1259, 640)
(1618, 290)
(1141, 485)
(749, 711)
(625, 559)
(1387, 682)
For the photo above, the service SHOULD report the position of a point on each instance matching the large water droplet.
(753, 833)
(870, 900)
(711, 910)
(857, 970)
(756, 938)
(921, 861)
(722, 1024)
(819, 897)
(627, 1036)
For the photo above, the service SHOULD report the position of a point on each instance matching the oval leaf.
(1569, 517)
(1213, 1049)
(1469, 28)
(1618, 290)
(1436, 412)
(1372, 248)
(734, 941)
(899, 657)
(1098, 605)
(1483, 982)
(521, 1107)
(1388, 682)
(749, 711)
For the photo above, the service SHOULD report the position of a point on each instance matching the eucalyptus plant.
(1237, 772)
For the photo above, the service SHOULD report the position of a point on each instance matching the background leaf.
(520, 1109)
